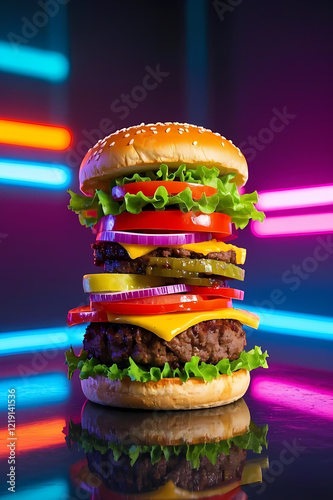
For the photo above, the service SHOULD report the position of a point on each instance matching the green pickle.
(191, 268)
(169, 273)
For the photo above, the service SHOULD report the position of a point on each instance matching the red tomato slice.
(84, 314)
(162, 304)
(148, 188)
(230, 293)
(171, 220)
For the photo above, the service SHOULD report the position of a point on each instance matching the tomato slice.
(162, 304)
(231, 293)
(84, 314)
(168, 220)
(148, 188)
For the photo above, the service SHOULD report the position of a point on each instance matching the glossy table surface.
(295, 402)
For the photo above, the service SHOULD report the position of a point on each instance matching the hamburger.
(162, 332)
(147, 455)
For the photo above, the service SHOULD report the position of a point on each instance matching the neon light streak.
(293, 323)
(35, 390)
(294, 225)
(298, 397)
(36, 435)
(34, 135)
(34, 174)
(52, 490)
(283, 199)
(41, 339)
(37, 63)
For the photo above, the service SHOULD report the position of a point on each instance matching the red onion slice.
(139, 294)
(152, 239)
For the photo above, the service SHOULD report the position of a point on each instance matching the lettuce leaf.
(227, 200)
(255, 439)
(250, 360)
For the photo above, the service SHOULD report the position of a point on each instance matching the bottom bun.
(168, 393)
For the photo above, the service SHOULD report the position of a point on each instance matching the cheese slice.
(135, 251)
(205, 247)
(169, 325)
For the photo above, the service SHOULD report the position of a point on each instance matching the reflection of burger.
(194, 454)
(163, 333)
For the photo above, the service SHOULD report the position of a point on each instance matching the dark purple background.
(262, 56)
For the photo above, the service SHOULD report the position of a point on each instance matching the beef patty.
(115, 259)
(211, 340)
(144, 476)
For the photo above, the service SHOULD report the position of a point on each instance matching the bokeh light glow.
(34, 135)
(37, 63)
(283, 199)
(35, 174)
(294, 225)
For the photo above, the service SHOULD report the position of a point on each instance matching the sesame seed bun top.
(145, 147)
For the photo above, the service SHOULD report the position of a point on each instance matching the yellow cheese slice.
(172, 324)
(205, 247)
(135, 251)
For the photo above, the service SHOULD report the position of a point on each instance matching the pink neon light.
(294, 225)
(301, 398)
(282, 199)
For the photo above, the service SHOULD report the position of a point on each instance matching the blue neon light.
(37, 63)
(35, 390)
(35, 174)
(52, 490)
(294, 323)
(41, 339)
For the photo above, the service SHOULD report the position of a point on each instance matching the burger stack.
(162, 330)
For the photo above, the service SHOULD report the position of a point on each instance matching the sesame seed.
(223, 137)
(112, 144)
(143, 131)
(126, 135)
(240, 154)
(154, 131)
(100, 151)
(138, 132)
(195, 143)
(231, 142)
(131, 142)
(186, 130)
(216, 133)
(142, 124)
(168, 123)
(97, 157)
(152, 128)
(95, 153)
(180, 131)
(168, 129)
(222, 143)
(200, 131)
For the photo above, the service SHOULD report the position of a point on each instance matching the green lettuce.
(250, 360)
(227, 200)
(255, 439)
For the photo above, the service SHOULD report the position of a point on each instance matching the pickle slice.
(210, 282)
(169, 273)
(198, 266)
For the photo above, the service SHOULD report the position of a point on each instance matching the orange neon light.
(34, 436)
(34, 135)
